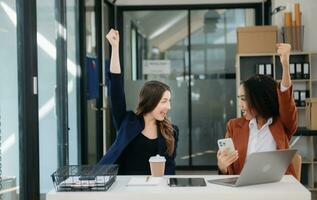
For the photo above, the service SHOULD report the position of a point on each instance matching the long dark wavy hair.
(149, 97)
(261, 95)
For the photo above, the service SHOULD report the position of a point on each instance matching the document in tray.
(144, 181)
(85, 181)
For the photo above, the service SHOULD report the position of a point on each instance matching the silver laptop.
(261, 167)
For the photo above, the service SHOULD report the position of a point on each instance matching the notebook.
(145, 181)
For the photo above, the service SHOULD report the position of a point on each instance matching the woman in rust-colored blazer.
(269, 118)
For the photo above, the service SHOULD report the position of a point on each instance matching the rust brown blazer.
(282, 129)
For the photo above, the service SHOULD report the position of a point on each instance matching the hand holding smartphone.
(226, 144)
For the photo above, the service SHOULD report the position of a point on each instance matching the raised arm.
(288, 111)
(113, 38)
(115, 81)
(284, 51)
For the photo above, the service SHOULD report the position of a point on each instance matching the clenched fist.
(113, 37)
(284, 51)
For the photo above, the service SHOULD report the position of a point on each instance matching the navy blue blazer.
(129, 125)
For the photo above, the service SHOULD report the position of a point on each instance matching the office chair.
(297, 162)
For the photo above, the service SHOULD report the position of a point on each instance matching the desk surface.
(288, 188)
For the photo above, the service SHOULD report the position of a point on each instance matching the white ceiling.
(179, 2)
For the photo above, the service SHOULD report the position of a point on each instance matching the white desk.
(287, 189)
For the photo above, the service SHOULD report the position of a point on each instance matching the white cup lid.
(157, 158)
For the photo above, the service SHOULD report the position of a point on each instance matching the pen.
(147, 178)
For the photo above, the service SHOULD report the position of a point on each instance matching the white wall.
(309, 16)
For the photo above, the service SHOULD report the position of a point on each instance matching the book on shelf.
(306, 74)
(298, 71)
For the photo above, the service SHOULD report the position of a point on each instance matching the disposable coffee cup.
(157, 165)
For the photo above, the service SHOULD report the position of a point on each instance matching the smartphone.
(226, 144)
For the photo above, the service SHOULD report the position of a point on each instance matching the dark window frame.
(61, 87)
(28, 100)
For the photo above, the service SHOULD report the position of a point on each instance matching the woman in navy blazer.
(142, 134)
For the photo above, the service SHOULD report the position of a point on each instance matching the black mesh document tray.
(84, 177)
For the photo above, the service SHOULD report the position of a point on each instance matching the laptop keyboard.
(229, 180)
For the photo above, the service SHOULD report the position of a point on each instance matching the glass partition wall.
(213, 52)
(193, 51)
(57, 48)
(57, 37)
(48, 140)
(9, 111)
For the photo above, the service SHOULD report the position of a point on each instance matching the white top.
(283, 88)
(261, 140)
(288, 188)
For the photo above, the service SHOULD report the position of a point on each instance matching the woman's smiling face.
(247, 112)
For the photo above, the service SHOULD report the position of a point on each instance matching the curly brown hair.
(261, 95)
